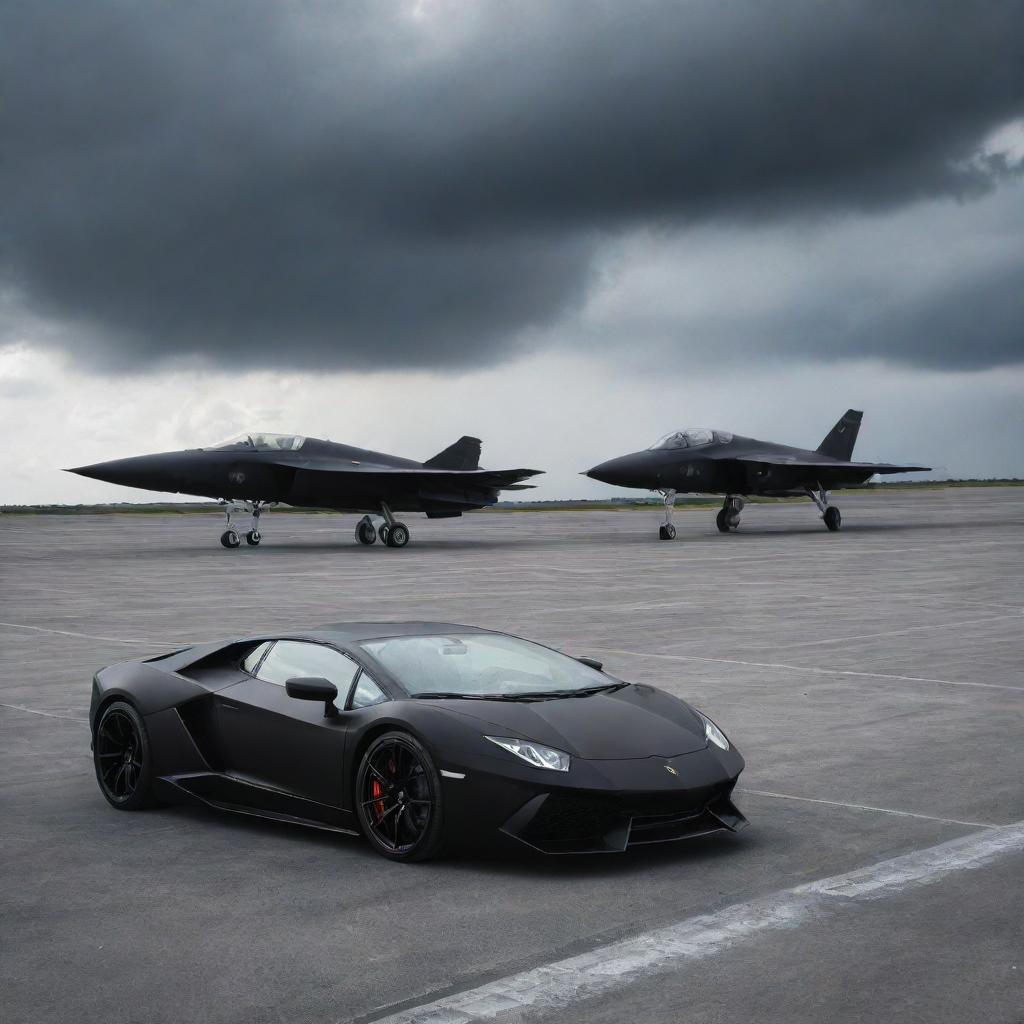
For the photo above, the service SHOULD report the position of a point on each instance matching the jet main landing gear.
(667, 530)
(391, 532)
(832, 516)
(728, 517)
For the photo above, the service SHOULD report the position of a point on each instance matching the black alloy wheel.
(398, 801)
(122, 758)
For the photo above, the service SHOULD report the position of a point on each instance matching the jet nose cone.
(150, 472)
(618, 472)
(109, 472)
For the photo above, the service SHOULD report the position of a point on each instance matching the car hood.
(636, 721)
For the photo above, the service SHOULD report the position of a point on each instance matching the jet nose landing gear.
(667, 531)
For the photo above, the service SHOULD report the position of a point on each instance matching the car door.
(272, 740)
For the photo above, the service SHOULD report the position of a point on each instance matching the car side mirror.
(592, 663)
(314, 688)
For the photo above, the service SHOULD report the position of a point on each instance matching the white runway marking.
(866, 807)
(45, 714)
(558, 984)
(87, 636)
(810, 669)
(899, 632)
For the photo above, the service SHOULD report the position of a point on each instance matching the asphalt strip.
(613, 966)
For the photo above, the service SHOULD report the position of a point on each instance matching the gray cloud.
(352, 186)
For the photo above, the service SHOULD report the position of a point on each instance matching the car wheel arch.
(379, 728)
(113, 697)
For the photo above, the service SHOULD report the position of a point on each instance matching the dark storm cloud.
(351, 185)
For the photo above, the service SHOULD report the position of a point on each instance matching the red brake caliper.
(377, 790)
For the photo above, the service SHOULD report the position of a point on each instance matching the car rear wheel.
(398, 798)
(123, 759)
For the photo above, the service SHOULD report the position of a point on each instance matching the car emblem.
(669, 768)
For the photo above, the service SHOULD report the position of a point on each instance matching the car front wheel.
(398, 798)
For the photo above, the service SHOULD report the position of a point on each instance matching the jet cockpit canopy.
(690, 437)
(264, 442)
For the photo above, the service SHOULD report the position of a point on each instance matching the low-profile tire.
(398, 535)
(398, 798)
(253, 537)
(722, 520)
(833, 518)
(123, 758)
(667, 531)
(230, 539)
(366, 533)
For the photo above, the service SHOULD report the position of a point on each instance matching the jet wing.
(776, 472)
(369, 473)
(782, 461)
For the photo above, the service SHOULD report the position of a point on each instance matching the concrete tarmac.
(872, 678)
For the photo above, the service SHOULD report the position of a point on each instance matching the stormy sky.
(566, 227)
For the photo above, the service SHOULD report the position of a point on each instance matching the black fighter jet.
(702, 461)
(252, 471)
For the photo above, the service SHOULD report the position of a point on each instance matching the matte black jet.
(702, 461)
(260, 469)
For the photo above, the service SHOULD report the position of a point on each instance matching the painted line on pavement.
(556, 985)
(87, 636)
(45, 714)
(809, 669)
(866, 807)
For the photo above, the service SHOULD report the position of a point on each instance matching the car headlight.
(713, 733)
(533, 753)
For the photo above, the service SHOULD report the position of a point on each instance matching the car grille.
(569, 823)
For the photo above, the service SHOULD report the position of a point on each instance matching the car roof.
(354, 632)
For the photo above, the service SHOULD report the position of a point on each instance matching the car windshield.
(264, 442)
(691, 437)
(481, 665)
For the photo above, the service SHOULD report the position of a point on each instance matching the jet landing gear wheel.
(728, 517)
(253, 537)
(366, 533)
(397, 535)
(398, 798)
(121, 755)
(833, 518)
(667, 531)
(230, 539)
(383, 533)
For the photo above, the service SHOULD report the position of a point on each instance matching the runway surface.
(874, 680)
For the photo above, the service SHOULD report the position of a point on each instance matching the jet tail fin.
(842, 437)
(463, 455)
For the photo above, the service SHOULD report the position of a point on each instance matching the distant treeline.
(624, 503)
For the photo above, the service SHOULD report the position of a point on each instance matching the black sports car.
(415, 734)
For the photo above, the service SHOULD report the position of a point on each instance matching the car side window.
(290, 659)
(253, 657)
(367, 692)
